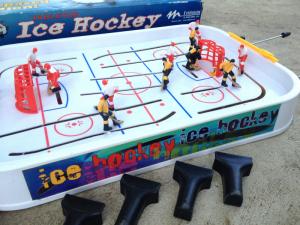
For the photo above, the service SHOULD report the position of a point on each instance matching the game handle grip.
(232, 168)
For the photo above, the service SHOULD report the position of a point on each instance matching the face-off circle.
(160, 53)
(142, 81)
(74, 127)
(210, 96)
(63, 68)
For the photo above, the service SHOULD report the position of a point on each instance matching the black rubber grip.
(192, 179)
(80, 211)
(232, 169)
(139, 193)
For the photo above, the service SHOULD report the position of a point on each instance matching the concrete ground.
(271, 192)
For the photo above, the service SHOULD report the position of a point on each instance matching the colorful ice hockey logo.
(3, 30)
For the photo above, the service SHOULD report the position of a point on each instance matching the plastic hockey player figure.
(34, 62)
(192, 57)
(243, 55)
(226, 67)
(53, 85)
(171, 52)
(195, 36)
(193, 25)
(109, 90)
(168, 66)
(106, 113)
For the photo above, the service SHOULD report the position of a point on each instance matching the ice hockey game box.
(35, 20)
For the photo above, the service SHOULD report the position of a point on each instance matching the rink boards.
(160, 127)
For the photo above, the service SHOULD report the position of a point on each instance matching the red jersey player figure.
(34, 62)
(110, 91)
(243, 55)
(53, 85)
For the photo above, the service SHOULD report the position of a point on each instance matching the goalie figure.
(192, 57)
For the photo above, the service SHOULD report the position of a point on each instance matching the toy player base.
(63, 148)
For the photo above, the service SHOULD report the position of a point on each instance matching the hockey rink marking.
(64, 68)
(67, 97)
(42, 112)
(218, 95)
(97, 82)
(130, 82)
(162, 119)
(48, 61)
(180, 67)
(229, 91)
(181, 106)
(63, 128)
(160, 53)
(136, 94)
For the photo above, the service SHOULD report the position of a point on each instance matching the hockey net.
(24, 91)
(213, 53)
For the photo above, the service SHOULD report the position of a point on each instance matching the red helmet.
(34, 50)
(47, 66)
(104, 82)
(198, 21)
(242, 46)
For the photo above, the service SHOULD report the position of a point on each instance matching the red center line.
(230, 92)
(42, 112)
(130, 84)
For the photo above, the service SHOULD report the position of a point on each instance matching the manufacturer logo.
(173, 14)
(3, 30)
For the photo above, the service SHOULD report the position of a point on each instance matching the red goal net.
(24, 91)
(213, 53)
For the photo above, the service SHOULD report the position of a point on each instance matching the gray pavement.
(271, 192)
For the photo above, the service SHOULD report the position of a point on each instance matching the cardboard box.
(35, 20)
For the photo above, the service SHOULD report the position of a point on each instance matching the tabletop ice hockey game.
(46, 136)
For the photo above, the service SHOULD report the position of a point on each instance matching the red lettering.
(130, 156)
(97, 161)
(141, 152)
(169, 147)
(114, 161)
(155, 150)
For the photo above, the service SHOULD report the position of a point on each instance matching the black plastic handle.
(192, 179)
(232, 169)
(80, 211)
(139, 193)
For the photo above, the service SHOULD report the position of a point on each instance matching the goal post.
(213, 53)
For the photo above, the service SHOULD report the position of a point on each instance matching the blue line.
(91, 70)
(180, 68)
(97, 82)
(160, 82)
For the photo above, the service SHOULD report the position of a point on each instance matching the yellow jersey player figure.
(226, 67)
(106, 113)
(168, 66)
(192, 56)
(194, 35)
